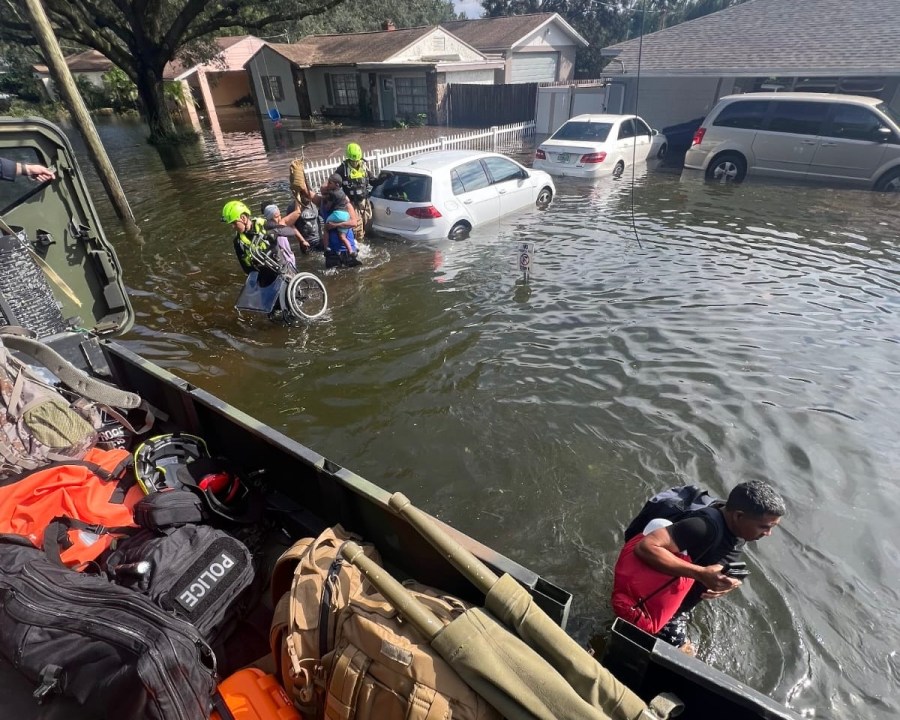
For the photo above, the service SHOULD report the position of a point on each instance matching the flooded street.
(672, 333)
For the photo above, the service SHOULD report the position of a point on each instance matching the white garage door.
(534, 67)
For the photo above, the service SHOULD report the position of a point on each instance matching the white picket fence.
(493, 139)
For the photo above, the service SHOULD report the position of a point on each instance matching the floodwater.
(670, 333)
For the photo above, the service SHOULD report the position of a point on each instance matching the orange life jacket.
(99, 490)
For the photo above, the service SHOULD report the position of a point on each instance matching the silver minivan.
(816, 136)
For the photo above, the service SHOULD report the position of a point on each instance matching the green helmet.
(233, 210)
(354, 152)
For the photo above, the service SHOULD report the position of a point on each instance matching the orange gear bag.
(82, 502)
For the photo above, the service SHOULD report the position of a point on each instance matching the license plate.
(563, 157)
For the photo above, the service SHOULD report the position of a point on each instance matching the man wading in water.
(713, 537)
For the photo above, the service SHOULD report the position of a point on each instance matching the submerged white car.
(592, 145)
(445, 194)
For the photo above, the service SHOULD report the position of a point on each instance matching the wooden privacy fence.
(498, 138)
(481, 105)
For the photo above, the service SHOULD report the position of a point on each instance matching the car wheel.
(544, 197)
(663, 150)
(889, 182)
(460, 231)
(618, 169)
(727, 168)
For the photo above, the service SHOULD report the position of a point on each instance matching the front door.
(388, 112)
(852, 145)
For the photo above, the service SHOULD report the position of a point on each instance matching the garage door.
(534, 67)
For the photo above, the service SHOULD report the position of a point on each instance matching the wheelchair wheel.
(305, 296)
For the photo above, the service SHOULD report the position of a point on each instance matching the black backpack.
(110, 648)
(675, 504)
(193, 572)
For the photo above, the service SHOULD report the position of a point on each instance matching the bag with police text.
(110, 649)
(195, 572)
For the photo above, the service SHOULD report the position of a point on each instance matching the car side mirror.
(884, 134)
(523, 175)
(654, 132)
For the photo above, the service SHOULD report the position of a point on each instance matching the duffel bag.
(74, 506)
(106, 646)
(194, 572)
(343, 652)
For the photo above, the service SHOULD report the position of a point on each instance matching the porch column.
(189, 108)
(206, 93)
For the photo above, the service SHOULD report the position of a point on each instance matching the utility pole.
(65, 84)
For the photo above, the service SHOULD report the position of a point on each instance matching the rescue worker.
(250, 235)
(357, 181)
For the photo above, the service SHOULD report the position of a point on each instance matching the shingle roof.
(87, 61)
(499, 33)
(773, 37)
(349, 48)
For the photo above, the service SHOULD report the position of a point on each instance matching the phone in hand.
(736, 570)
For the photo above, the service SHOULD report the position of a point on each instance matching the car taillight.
(424, 213)
(698, 136)
(540, 154)
(593, 157)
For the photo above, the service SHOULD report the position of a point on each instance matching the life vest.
(247, 242)
(643, 596)
(356, 180)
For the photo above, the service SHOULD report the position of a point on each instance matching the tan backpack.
(343, 652)
(38, 424)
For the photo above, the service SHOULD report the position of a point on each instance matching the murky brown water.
(704, 334)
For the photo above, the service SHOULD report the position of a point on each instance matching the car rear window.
(403, 187)
(590, 131)
(747, 114)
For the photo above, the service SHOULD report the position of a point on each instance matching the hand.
(711, 576)
(36, 172)
(713, 594)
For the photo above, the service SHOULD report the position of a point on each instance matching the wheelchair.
(283, 294)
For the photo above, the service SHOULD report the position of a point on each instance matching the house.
(379, 76)
(801, 45)
(90, 65)
(221, 87)
(218, 87)
(390, 74)
(535, 48)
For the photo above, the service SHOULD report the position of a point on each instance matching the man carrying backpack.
(663, 573)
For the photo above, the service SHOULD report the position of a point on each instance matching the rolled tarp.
(513, 606)
(496, 664)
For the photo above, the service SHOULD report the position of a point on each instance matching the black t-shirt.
(697, 534)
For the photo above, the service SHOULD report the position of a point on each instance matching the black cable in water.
(637, 94)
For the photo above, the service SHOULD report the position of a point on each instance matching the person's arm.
(660, 552)
(9, 170)
(292, 217)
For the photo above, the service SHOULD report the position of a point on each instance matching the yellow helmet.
(354, 152)
(233, 210)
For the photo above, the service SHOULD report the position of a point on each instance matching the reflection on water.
(745, 332)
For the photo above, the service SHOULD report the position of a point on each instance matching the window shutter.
(328, 89)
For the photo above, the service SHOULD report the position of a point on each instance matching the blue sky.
(472, 8)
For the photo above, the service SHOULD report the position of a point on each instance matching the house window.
(412, 95)
(342, 90)
(272, 87)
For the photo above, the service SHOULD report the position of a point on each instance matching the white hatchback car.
(592, 145)
(445, 194)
